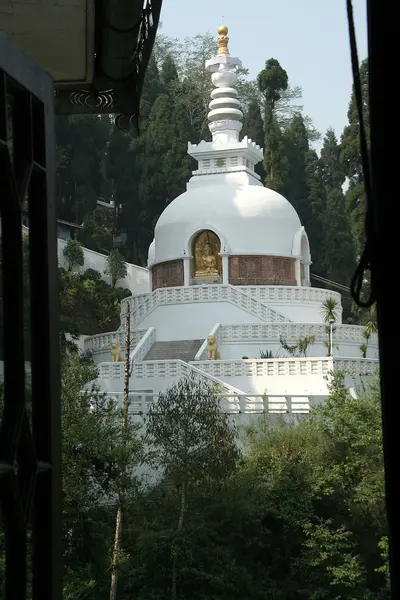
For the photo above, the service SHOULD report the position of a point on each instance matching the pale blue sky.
(308, 37)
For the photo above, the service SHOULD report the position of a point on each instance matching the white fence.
(145, 304)
(139, 403)
(144, 345)
(272, 293)
(285, 367)
(215, 369)
(292, 332)
(102, 341)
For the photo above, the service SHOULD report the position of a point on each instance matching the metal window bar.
(30, 433)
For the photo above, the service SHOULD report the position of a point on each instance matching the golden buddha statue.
(206, 248)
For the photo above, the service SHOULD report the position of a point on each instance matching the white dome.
(248, 219)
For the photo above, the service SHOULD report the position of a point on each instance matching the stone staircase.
(184, 350)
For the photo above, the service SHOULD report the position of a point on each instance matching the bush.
(115, 267)
(73, 252)
(92, 275)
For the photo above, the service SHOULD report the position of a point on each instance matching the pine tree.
(124, 164)
(351, 160)
(162, 157)
(272, 81)
(81, 146)
(316, 197)
(296, 149)
(332, 168)
(338, 251)
(253, 127)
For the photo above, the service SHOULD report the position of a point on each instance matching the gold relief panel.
(206, 259)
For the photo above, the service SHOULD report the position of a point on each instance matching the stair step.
(179, 350)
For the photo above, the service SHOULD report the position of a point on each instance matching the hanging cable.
(339, 286)
(365, 261)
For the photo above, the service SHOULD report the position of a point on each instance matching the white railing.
(101, 342)
(266, 367)
(142, 348)
(279, 293)
(356, 366)
(285, 367)
(202, 353)
(139, 403)
(164, 368)
(205, 293)
(213, 370)
(292, 332)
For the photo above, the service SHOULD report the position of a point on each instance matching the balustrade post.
(297, 270)
(306, 281)
(225, 268)
(186, 270)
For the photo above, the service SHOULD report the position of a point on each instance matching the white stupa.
(229, 279)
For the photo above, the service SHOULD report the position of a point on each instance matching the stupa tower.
(225, 154)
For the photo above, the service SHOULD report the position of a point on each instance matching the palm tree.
(330, 310)
(303, 343)
(369, 329)
(330, 315)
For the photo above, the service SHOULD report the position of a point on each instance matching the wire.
(365, 261)
(340, 286)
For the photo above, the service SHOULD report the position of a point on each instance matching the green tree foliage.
(191, 440)
(296, 146)
(316, 198)
(73, 253)
(302, 516)
(115, 267)
(272, 82)
(89, 305)
(326, 474)
(96, 233)
(338, 255)
(96, 453)
(351, 160)
(81, 145)
(329, 310)
(253, 127)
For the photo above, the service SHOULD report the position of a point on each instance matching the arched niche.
(206, 262)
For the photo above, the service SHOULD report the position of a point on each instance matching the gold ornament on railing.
(223, 40)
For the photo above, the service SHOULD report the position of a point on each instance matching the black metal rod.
(383, 47)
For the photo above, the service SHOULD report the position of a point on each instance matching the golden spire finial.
(223, 40)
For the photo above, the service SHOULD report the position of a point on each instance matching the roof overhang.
(97, 51)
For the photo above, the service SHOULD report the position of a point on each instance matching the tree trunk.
(118, 522)
(174, 548)
(114, 568)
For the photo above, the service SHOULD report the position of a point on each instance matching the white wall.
(193, 320)
(312, 385)
(137, 279)
(309, 385)
(299, 312)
